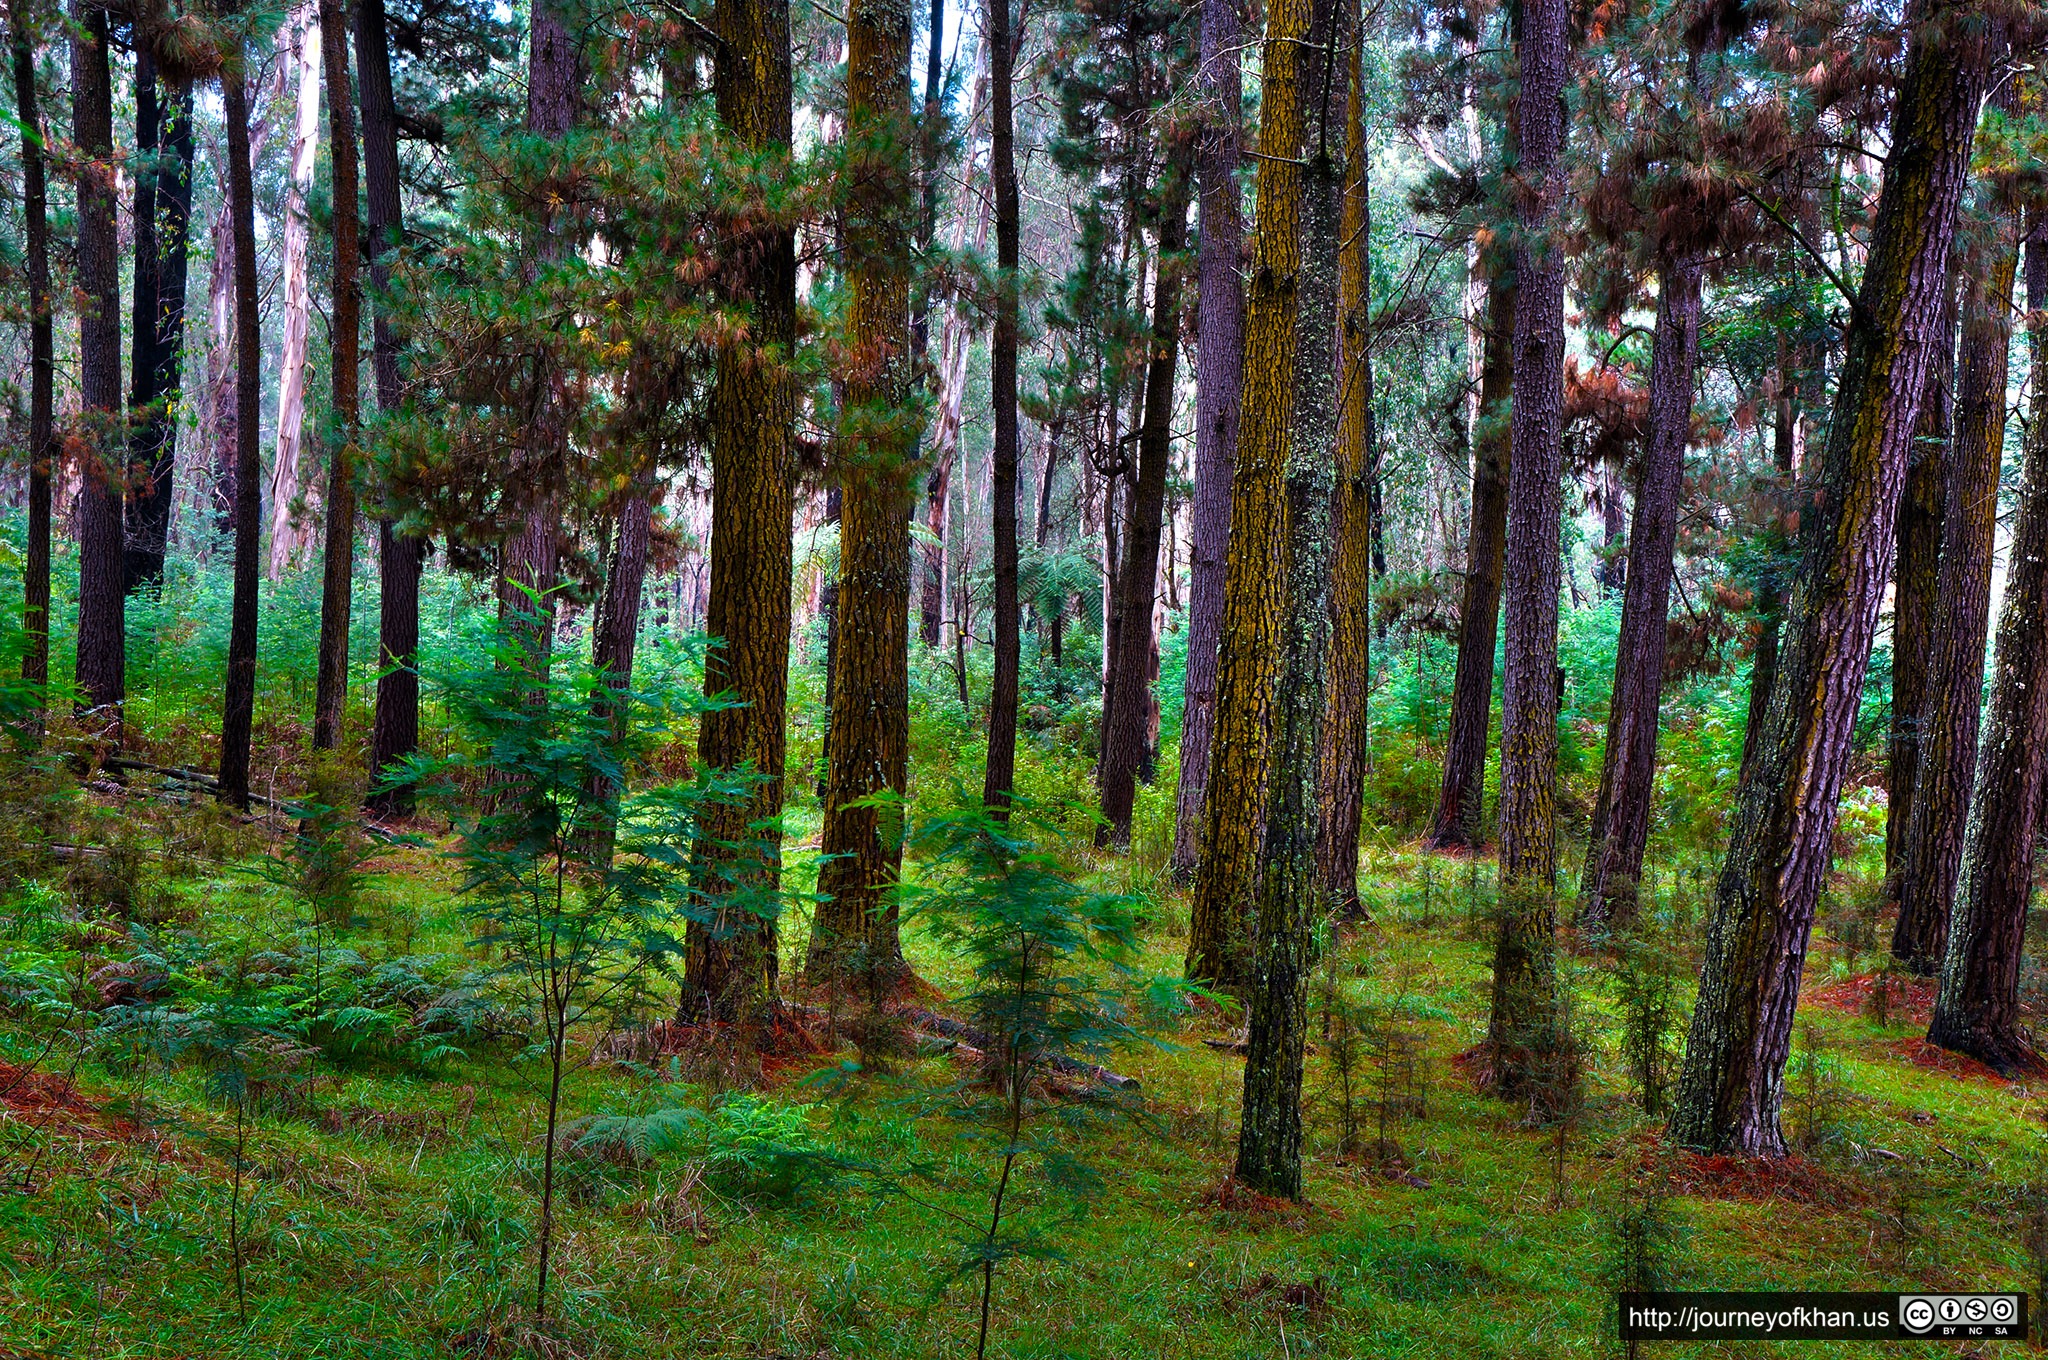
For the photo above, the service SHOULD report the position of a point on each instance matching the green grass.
(390, 1210)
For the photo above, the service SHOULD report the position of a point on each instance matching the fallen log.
(967, 1034)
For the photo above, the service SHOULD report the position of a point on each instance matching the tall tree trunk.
(1915, 580)
(1346, 727)
(102, 664)
(1976, 1008)
(730, 964)
(938, 491)
(1298, 414)
(394, 732)
(1621, 813)
(1460, 809)
(530, 559)
(854, 929)
(1001, 771)
(42, 438)
(1787, 438)
(1123, 724)
(1522, 1029)
(1219, 382)
(1779, 846)
(163, 214)
(238, 711)
(337, 577)
(287, 523)
(1955, 663)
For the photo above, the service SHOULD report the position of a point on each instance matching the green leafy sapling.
(550, 742)
(1051, 999)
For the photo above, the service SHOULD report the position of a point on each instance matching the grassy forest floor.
(161, 971)
(388, 1194)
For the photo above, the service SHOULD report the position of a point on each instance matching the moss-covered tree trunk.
(338, 556)
(1954, 698)
(1782, 827)
(1234, 819)
(730, 960)
(1522, 1027)
(1219, 382)
(868, 749)
(1296, 417)
(1621, 813)
(1346, 724)
(1976, 1010)
(1123, 726)
(1915, 577)
(1459, 822)
(101, 670)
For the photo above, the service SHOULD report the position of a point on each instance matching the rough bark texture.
(1732, 1082)
(239, 701)
(1954, 699)
(1297, 418)
(337, 575)
(42, 438)
(1621, 813)
(530, 559)
(394, 733)
(1521, 1030)
(1787, 437)
(1976, 1010)
(1459, 823)
(1219, 382)
(730, 963)
(1123, 719)
(1006, 624)
(102, 667)
(1346, 725)
(1915, 578)
(1220, 943)
(163, 214)
(854, 929)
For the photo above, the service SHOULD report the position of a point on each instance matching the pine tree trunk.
(854, 930)
(1459, 823)
(1001, 773)
(1955, 661)
(394, 732)
(1914, 584)
(1522, 1028)
(42, 439)
(730, 962)
(102, 665)
(1298, 417)
(287, 520)
(1976, 1009)
(238, 712)
(530, 559)
(1219, 382)
(162, 217)
(337, 577)
(1123, 725)
(1346, 726)
(1621, 813)
(1784, 818)
(1786, 438)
